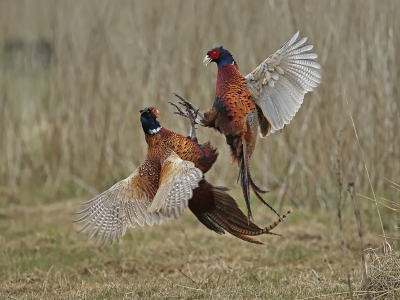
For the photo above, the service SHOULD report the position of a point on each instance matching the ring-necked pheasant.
(267, 98)
(169, 180)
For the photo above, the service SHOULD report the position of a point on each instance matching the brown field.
(73, 76)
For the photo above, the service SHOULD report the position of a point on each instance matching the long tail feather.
(219, 212)
(259, 197)
(255, 187)
(228, 216)
(246, 181)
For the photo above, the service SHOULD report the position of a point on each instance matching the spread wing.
(121, 206)
(279, 83)
(177, 181)
(128, 202)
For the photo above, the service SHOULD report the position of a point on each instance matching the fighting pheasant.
(267, 98)
(169, 180)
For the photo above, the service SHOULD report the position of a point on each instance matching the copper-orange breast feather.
(170, 179)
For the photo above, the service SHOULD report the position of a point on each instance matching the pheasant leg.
(192, 119)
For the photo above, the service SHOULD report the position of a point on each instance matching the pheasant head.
(148, 118)
(219, 55)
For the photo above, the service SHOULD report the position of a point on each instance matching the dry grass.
(73, 76)
(41, 256)
(383, 274)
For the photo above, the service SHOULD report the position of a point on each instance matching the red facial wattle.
(155, 112)
(214, 54)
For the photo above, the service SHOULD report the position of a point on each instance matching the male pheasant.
(267, 98)
(169, 180)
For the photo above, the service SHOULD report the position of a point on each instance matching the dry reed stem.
(395, 206)
(360, 233)
(363, 158)
(339, 176)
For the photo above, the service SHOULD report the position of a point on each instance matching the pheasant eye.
(214, 54)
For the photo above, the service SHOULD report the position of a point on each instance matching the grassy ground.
(42, 257)
(73, 76)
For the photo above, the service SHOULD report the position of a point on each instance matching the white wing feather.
(279, 83)
(177, 181)
(121, 206)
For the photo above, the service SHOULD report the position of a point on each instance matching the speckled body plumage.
(232, 102)
(203, 156)
(233, 111)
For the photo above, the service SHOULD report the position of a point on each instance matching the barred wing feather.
(121, 206)
(279, 83)
(177, 181)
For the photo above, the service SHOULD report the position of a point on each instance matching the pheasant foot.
(190, 113)
(189, 105)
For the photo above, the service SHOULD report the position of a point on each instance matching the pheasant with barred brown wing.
(169, 180)
(267, 98)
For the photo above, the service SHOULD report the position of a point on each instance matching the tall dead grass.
(72, 127)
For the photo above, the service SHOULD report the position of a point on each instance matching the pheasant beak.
(207, 60)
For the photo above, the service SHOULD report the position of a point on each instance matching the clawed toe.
(180, 111)
(189, 105)
(191, 112)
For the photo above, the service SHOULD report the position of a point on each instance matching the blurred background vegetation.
(74, 75)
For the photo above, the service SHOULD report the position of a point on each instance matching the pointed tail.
(246, 182)
(219, 212)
